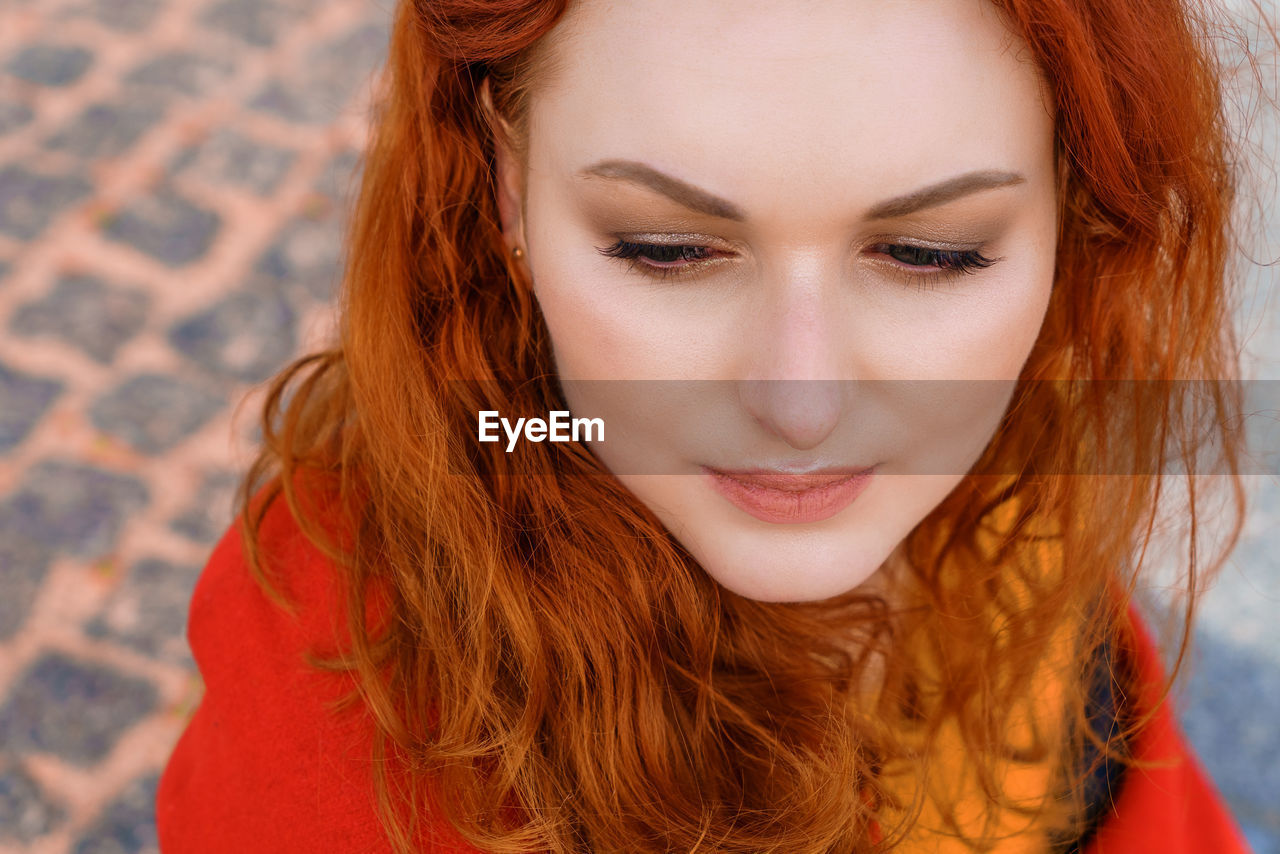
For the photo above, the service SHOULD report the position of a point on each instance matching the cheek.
(972, 356)
(981, 330)
(584, 335)
(994, 339)
(589, 338)
(608, 324)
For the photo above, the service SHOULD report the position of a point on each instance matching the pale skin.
(825, 164)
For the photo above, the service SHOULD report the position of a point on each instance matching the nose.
(798, 372)
(802, 413)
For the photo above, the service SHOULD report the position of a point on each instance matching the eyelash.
(948, 263)
(632, 253)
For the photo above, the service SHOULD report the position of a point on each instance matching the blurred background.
(174, 178)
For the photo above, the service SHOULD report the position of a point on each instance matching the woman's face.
(825, 203)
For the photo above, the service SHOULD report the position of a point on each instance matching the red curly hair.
(557, 669)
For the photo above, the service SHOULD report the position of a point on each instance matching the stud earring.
(517, 253)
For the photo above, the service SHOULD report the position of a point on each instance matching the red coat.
(263, 766)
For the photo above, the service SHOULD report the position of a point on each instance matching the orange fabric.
(952, 779)
(952, 786)
(265, 766)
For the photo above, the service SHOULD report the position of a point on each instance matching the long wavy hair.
(553, 672)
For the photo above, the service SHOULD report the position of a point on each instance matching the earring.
(517, 253)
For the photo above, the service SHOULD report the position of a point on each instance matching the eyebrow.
(691, 197)
(700, 200)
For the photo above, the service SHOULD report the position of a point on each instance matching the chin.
(807, 571)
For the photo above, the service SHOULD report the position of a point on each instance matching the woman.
(871, 302)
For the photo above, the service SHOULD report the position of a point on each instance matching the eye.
(659, 259)
(918, 261)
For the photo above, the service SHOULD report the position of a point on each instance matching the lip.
(783, 497)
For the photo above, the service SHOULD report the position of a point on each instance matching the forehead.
(762, 96)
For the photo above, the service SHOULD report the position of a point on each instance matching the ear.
(509, 183)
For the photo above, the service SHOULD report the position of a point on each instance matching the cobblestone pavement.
(173, 177)
(173, 180)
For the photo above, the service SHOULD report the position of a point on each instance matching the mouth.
(782, 497)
